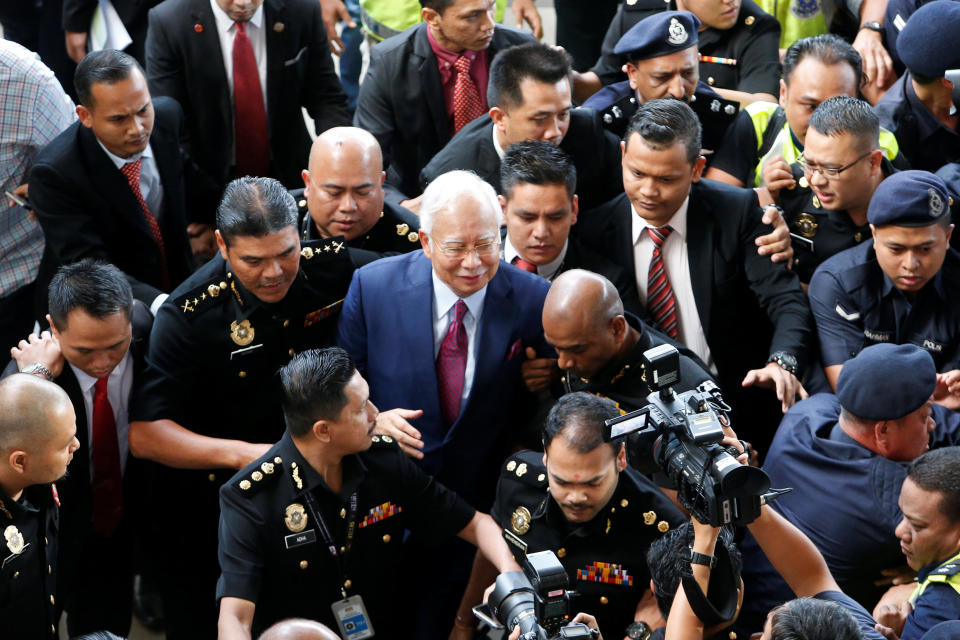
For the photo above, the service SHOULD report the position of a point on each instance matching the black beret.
(909, 199)
(928, 42)
(886, 381)
(659, 35)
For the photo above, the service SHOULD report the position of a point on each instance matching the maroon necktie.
(466, 99)
(107, 480)
(660, 301)
(452, 365)
(249, 114)
(520, 263)
(131, 171)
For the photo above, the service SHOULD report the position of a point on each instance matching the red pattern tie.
(466, 99)
(452, 365)
(660, 301)
(107, 479)
(249, 114)
(520, 263)
(131, 171)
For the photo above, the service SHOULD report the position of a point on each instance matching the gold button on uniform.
(561, 553)
(49, 570)
(304, 564)
(291, 352)
(53, 630)
(242, 374)
(386, 539)
(624, 502)
(604, 600)
(343, 513)
(749, 21)
(52, 600)
(212, 477)
(286, 323)
(347, 583)
(710, 81)
(343, 549)
(16, 574)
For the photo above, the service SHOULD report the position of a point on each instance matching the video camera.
(681, 433)
(535, 599)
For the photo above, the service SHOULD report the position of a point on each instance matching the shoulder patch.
(266, 472)
(383, 441)
(951, 568)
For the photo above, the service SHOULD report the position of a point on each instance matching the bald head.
(344, 184)
(583, 298)
(299, 629)
(30, 410)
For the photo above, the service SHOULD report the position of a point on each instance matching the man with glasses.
(902, 288)
(443, 333)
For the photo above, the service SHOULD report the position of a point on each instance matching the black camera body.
(681, 433)
(537, 600)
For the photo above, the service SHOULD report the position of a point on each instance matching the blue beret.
(658, 35)
(928, 42)
(886, 381)
(949, 630)
(909, 199)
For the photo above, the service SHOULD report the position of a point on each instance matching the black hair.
(939, 470)
(513, 65)
(108, 66)
(98, 288)
(843, 114)
(255, 207)
(314, 387)
(437, 5)
(828, 48)
(669, 554)
(813, 619)
(579, 418)
(666, 121)
(537, 162)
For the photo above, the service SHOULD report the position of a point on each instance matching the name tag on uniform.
(352, 618)
(298, 539)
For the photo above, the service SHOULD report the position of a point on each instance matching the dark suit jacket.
(401, 103)
(387, 327)
(185, 62)
(595, 153)
(749, 307)
(87, 209)
(77, 15)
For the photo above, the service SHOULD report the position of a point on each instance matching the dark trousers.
(100, 595)
(581, 26)
(436, 575)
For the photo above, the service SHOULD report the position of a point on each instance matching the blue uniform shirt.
(937, 603)
(855, 305)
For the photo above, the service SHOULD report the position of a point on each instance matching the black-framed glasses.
(827, 172)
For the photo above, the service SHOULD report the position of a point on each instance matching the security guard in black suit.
(343, 196)
(37, 441)
(598, 515)
(313, 527)
(210, 390)
(668, 40)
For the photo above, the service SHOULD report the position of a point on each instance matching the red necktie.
(452, 365)
(107, 480)
(660, 301)
(466, 99)
(249, 114)
(131, 171)
(520, 263)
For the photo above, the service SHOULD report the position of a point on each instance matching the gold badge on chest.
(14, 539)
(520, 520)
(807, 225)
(241, 332)
(295, 517)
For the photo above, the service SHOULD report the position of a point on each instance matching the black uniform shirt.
(28, 555)
(272, 549)
(753, 42)
(855, 305)
(605, 558)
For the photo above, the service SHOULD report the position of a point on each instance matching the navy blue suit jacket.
(387, 327)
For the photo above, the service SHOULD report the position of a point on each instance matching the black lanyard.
(339, 558)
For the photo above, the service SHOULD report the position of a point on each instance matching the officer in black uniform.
(210, 390)
(37, 440)
(580, 500)
(313, 527)
(663, 61)
(740, 53)
(904, 287)
(343, 196)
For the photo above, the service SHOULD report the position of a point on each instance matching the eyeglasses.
(459, 252)
(827, 172)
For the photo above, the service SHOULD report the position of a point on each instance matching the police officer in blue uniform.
(902, 287)
(663, 61)
(845, 458)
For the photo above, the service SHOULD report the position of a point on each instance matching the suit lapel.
(206, 53)
(80, 466)
(700, 255)
(418, 297)
(432, 87)
(488, 162)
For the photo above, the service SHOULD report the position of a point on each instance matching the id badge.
(352, 618)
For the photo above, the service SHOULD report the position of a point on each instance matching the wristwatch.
(786, 360)
(639, 630)
(873, 25)
(702, 558)
(38, 369)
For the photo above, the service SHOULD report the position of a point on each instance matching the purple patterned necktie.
(452, 365)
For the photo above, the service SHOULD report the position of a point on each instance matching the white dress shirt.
(227, 29)
(547, 271)
(444, 300)
(496, 143)
(674, 250)
(150, 185)
(119, 385)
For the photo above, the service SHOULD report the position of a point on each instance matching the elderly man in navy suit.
(452, 335)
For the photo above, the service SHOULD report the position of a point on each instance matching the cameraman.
(581, 501)
(821, 612)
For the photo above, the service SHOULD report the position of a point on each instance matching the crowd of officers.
(295, 389)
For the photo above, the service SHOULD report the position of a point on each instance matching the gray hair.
(452, 186)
